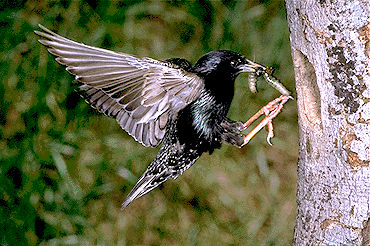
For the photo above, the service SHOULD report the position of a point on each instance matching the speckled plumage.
(170, 101)
(198, 128)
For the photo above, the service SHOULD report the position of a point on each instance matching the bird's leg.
(271, 110)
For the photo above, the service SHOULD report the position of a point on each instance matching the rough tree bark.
(331, 53)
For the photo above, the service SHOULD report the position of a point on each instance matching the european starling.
(169, 101)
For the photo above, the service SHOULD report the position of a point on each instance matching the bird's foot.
(271, 110)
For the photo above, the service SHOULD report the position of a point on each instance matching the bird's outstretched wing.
(142, 94)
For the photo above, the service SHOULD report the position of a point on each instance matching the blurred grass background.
(65, 169)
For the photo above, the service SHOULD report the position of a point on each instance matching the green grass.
(65, 168)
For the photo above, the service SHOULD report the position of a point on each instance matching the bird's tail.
(147, 182)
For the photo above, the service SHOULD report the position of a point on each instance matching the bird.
(172, 103)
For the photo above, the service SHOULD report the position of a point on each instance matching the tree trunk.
(331, 52)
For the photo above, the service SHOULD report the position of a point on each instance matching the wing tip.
(125, 203)
(45, 29)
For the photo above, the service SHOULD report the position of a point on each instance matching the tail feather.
(147, 182)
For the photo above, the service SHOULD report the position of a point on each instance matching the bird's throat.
(221, 87)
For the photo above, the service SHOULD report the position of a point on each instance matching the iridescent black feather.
(170, 101)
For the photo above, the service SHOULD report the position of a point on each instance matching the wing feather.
(142, 94)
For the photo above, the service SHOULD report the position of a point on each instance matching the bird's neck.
(199, 123)
(221, 87)
(218, 82)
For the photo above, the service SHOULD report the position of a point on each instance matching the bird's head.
(219, 70)
(222, 63)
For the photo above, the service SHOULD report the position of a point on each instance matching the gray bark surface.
(330, 43)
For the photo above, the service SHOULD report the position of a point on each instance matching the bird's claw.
(270, 135)
(271, 110)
